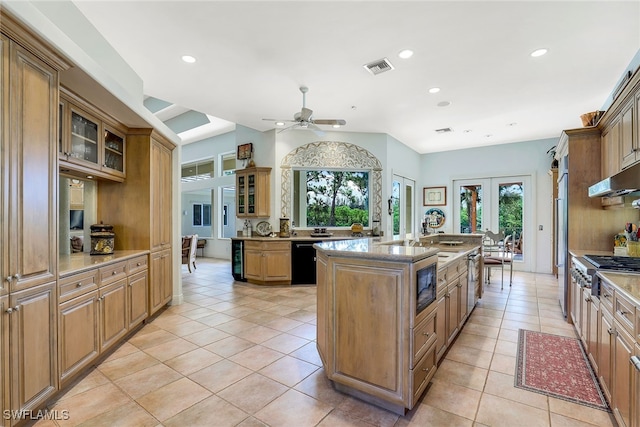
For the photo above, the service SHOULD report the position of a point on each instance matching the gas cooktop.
(614, 263)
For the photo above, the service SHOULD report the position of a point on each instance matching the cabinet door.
(241, 196)
(463, 299)
(113, 152)
(78, 339)
(628, 144)
(113, 313)
(605, 349)
(33, 347)
(453, 296)
(594, 331)
(611, 150)
(4, 357)
(623, 372)
(253, 261)
(30, 163)
(277, 265)
(635, 396)
(585, 306)
(441, 327)
(160, 196)
(84, 141)
(160, 280)
(138, 288)
(5, 268)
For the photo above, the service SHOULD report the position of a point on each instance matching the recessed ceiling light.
(188, 59)
(444, 104)
(512, 124)
(336, 126)
(539, 52)
(488, 135)
(279, 123)
(405, 53)
(89, 176)
(466, 131)
(434, 90)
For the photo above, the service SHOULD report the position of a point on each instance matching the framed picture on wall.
(434, 196)
(245, 151)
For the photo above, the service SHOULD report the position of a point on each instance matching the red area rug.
(557, 366)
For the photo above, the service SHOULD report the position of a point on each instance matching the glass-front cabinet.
(90, 142)
(253, 195)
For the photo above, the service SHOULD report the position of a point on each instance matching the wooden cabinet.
(611, 149)
(452, 308)
(253, 192)
(623, 372)
(267, 262)
(89, 140)
(635, 393)
(441, 326)
(628, 136)
(606, 343)
(593, 331)
(148, 185)
(79, 343)
(33, 346)
(4, 356)
(113, 313)
(29, 172)
(137, 297)
(160, 283)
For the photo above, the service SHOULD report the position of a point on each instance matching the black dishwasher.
(303, 263)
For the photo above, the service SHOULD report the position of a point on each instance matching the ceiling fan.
(304, 119)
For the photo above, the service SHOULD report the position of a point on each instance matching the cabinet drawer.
(637, 335)
(442, 282)
(422, 374)
(267, 246)
(77, 284)
(113, 272)
(606, 296)
(137, 264)
(624, 312)
(423, 336)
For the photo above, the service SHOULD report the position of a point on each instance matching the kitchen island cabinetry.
(367, 328)
(267, 262)
(253, 192)
(451, 304)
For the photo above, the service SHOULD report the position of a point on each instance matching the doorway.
(402, 205)
(496, 204)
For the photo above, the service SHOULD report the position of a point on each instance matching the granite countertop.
(583, 252)
(293, 238)
(76, 263)
(628, 283)
(374, 248)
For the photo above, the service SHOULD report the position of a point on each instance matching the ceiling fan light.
(336, 126)
(434, 90)
(279, 123)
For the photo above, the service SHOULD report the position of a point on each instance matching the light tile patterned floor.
(239, 354)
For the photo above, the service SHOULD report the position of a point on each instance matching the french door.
(495, 204)
(402, 207)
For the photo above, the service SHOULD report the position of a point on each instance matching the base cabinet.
(137, 287)
(33, 372)
(606, 344)
(160, 284)
(113, 313)
(267, 262)
(4, 358)
(622, 376)
(78, 339)
(635, 394)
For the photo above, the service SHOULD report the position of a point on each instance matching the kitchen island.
(379, 314)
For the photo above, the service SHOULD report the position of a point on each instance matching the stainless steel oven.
(620, 264)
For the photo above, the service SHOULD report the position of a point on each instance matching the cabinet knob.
(607, 295)
(9, 310)
(138, 264)
(113, 273)
(588, 299)
(425, 369)
(426, 334)
(623, 313)
(79, 284)
(16, 277)
(8, 279)
(610, 331)
(16, 308)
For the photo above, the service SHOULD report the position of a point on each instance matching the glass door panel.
(113, 151)
(402, 205)
(84, 138)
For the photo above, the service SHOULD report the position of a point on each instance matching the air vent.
(379, 66)
(444, 130)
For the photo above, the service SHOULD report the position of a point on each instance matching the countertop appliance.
(583, 272)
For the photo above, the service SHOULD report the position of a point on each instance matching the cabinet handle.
(425, 369)
(113, 273)
(459, 285)
(426, 334)
(448, 295)
(610, 331)
(8, 279)
(16, 277)
(9, 310)
(607, 295)
(138, 264)
(588, 299)
(623, 313)
(635, 361)
(16, 308)
(79, 284)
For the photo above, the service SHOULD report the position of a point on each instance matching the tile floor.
(236, 354)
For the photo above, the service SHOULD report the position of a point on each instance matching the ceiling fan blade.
(315, 129)
(305, 114)
(279, 120)
(289, 127)
(330, 122)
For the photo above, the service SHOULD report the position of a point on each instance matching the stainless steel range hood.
(620, 184)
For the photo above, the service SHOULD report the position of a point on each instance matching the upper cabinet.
(621, 129)
(253, 192)
(89, 141)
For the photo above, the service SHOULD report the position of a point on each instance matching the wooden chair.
(495, 255)
(189, 246)
(201, 244)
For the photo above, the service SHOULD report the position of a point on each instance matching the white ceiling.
(253, 56)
